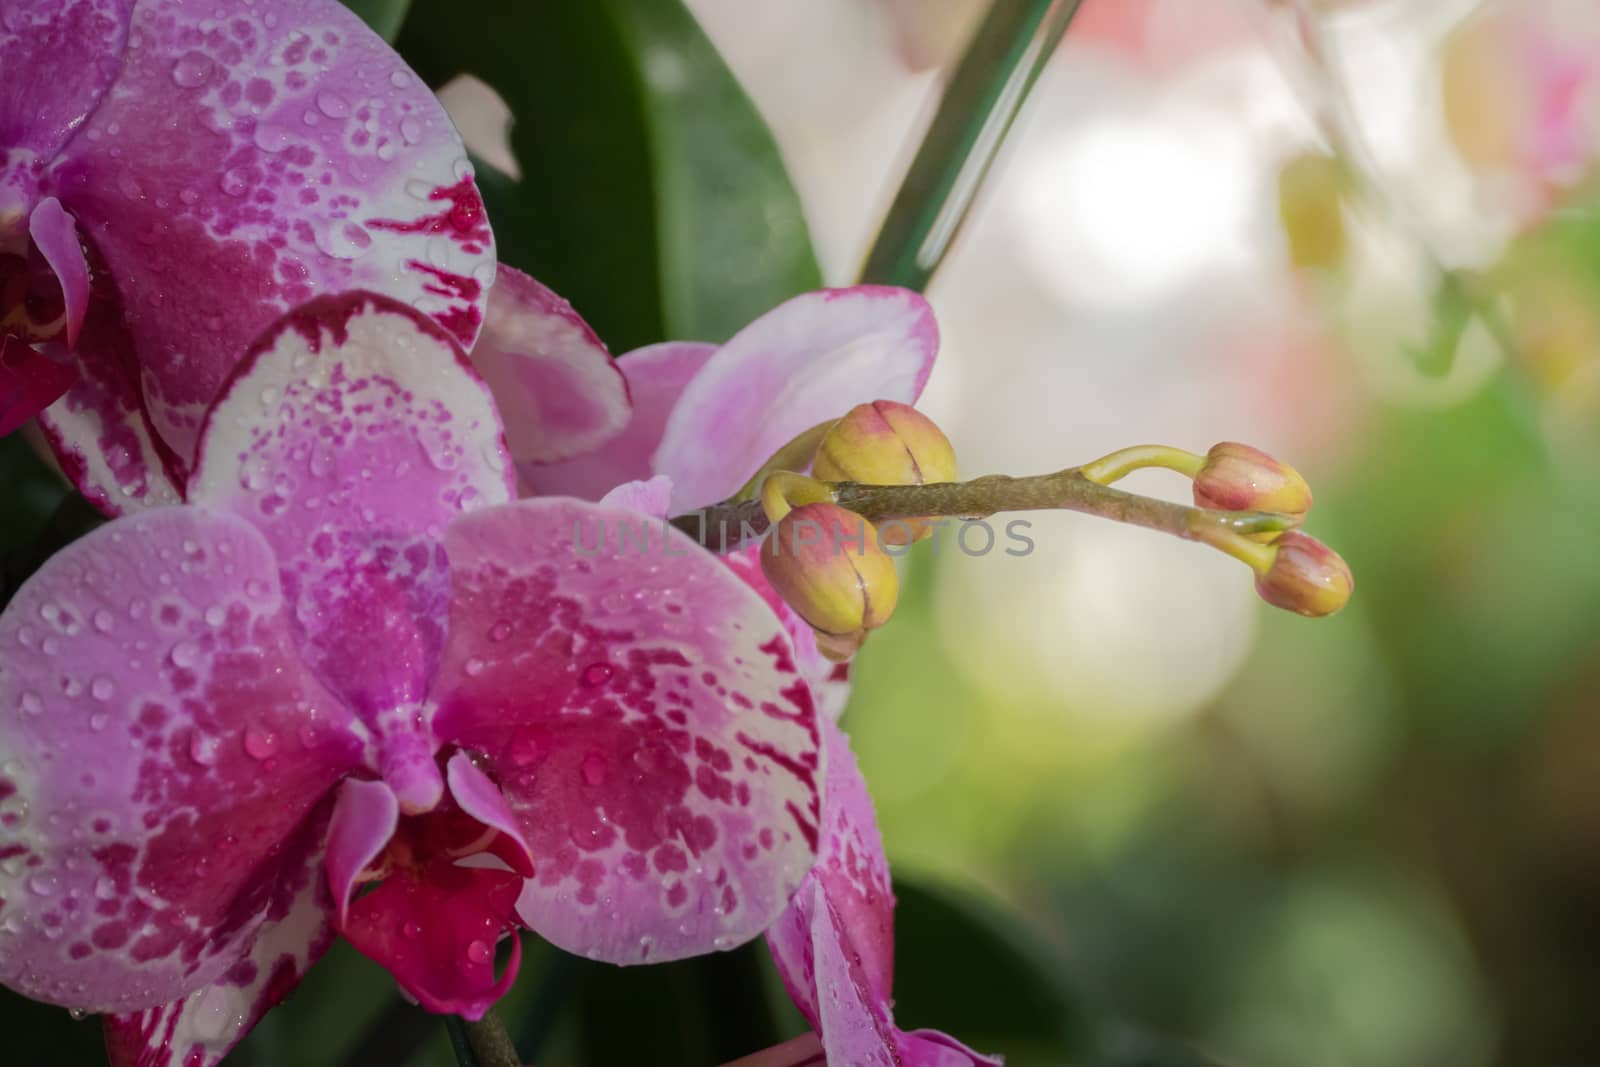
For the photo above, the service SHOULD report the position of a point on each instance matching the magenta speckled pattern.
(617, 750)
(225, 160)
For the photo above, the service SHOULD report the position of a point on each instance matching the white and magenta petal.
(350, 436)
(557, 388)
(365, 817)
(250, 155)
(642, 713)
(808, 360)
(200, 1029)
(57, 59)
(163, 746)
(656, 376)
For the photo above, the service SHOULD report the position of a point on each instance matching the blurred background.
(1136, 817)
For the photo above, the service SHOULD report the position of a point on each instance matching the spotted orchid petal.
(829, 681)
(258, 152)
(57, 59)
(350, 435)
(200, 1029)
(644, 721)
(834, 946)
(557, 387)
(656, 377)
(163, 743)
(806, 361)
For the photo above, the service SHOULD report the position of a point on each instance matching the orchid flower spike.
(352, 686)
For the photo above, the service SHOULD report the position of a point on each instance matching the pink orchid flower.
(353, 686)
(176, 174)
(834, 946)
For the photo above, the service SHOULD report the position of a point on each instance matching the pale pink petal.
(56, 238)
(806, 361)
(29, 382)
(364, 819)
(200, 1029)
(854, 1023)
(351, 434)
(57, 58)
(652, 497)
(558, 389)
(656, 377)
(163, 744)
(99, 431)
(642, 713)
(253, 154)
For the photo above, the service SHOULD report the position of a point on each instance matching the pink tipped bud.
(886, 443)
(1306, 577)
(828, 565)
(1237, 477)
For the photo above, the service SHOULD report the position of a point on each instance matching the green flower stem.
(986, 91)
(723, 527)
(484, 1043)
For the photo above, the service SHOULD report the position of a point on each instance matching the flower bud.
(828, 565)
(886, 443)
(1237, 477)
(1306, 577)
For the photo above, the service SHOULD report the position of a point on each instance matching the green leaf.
(384, 16)
(963, 967)
(653, 196)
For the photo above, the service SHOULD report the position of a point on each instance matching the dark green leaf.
(652, 196)
(384, 16)
(961, 967)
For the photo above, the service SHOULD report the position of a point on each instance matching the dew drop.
(203, 750)
(191, 70)
(479, 952)
(43, 885)
(102, 688)
(105, 888)
(474, 667)
(30, 703)
(184, 655)
(333, 105)
(596, 674)
(234, 182)
(99, 720)
(260, 744)
(411, 930)
(411, 129)
(271, 138)
(103, 621)
(594, 769)
(500, 631)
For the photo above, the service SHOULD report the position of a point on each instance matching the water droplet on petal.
(333, 105)
(260, 744)
(105, 888)
(184, 655)
(99, 720)
(594, 768)
(500, 631)
(102, 688)
(479, 952)
(411, 129)
(103, 621)
(411, 930)
(30, 703)
(203, 750)
(596, 674)
(42, 884)
(191, 70)
(234, 182)
(474, 667)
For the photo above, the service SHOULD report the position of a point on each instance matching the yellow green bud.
(1306, 577)
(829, 566)
(887, 443)
(1238, 477)
(1311, 191)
